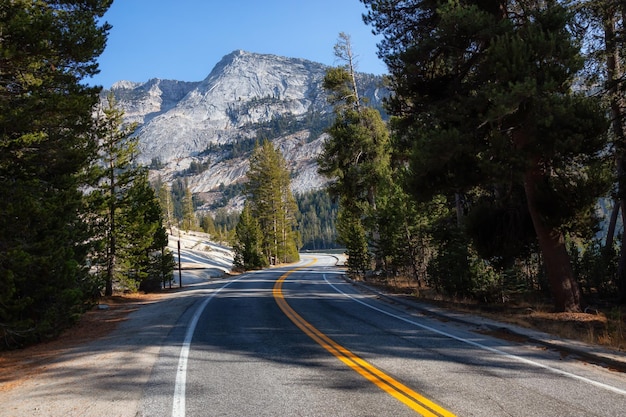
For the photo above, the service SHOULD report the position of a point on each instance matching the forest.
(506, 136)
(501, 138)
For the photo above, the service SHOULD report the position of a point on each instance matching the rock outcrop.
(213, 123)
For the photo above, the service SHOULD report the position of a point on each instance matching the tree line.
(506, 129)
(78, 217)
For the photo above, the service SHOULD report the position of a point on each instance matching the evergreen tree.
(483, 98)
(114, 173)
(317, 224)
(355, 157)
(248, 246)
(166, 203)
(146, 261)
(46, 49)
(607, 56)
(272, 203)
(126, 216)
(353, 234)
(208, 225)
(190, 222)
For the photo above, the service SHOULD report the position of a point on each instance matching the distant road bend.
(301, 341)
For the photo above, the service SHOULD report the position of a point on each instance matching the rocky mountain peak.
(247, 96)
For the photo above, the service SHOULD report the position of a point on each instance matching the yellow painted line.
(396, 389)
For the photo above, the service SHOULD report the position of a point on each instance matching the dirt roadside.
(99, 367)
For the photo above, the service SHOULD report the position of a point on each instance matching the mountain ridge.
(246, 97)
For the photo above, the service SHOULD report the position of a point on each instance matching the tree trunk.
(413, 253)
(614, 77)
(108, 291)
(111, 258)
(552, 245)
(610, 234)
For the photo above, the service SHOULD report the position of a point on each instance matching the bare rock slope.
(214, 123)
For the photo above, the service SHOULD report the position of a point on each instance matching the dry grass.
(603, 327)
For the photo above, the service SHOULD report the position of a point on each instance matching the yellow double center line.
(396, 389)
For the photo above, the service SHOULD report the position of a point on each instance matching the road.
(301, 341)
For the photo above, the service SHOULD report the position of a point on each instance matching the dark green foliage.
(483, 101)
(404, 234)
(228, 193)
(501, 232)
(179, 191)
(356, 158)
(196, 168)
(449, 271)
(596, 269)
(207, 224)
(318, 218)
(46, 49)
(127, 215)
(146, 261)
(287, 124)
(352, 233)
(129, 218)
(113, 174)
(249, 239)
(272, 204)
(189, 220)
(226, 219)
(156, 164)
(225, 222)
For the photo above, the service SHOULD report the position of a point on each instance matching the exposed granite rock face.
(246, 96)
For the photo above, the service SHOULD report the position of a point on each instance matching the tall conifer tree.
(114, 172)
(355, 158)
(46, 49)
(248, 246)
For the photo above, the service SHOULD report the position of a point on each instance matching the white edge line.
(178, 407)
(481, 346)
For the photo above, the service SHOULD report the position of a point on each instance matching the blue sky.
(184, 39)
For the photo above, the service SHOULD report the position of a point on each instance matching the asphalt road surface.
(301, 341)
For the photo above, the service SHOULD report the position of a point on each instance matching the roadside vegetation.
(78, 217)
(484, 189)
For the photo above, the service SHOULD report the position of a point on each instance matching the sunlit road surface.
(301, 341)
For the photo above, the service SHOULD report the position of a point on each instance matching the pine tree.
(190, 222)
(248, 246)
(114, 173)
(146, 260)
(352, 232)
(166, 203)
(208, 225)
(355, 157)
(273, 204)
(606, 17)
(126, 214)
(46, 49)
